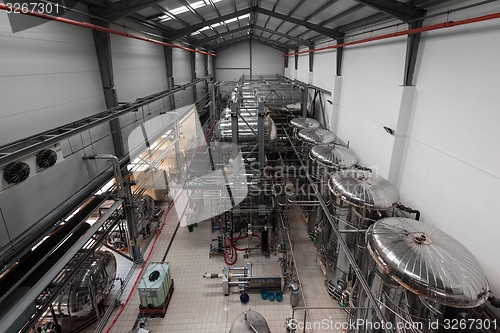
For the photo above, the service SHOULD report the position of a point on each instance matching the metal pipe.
(103, 29)
(438, 26)
(37, 257)
(162, 155)
(23, 245)
(116, 169)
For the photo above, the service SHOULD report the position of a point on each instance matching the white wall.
(447, 135)
(139, 67)
(266, 61)
(234, 61)
(49, 76)
(451, 168)
(325, 64)
(303, 73)
(182, 66)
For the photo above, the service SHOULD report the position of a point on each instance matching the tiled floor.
(198, 304)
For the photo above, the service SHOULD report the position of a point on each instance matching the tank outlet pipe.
(103, 29)
(116, 169)
(410, 210)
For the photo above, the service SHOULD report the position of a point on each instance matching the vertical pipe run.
(305, 98)
(234, 129)
(261, 156)
(193, 75)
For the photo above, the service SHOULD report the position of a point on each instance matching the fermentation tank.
(421, 275)
(90, 286)
(325, 159)
(359, 197)
(328, 158)
(301, 123)
(310, 137)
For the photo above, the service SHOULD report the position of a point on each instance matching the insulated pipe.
(9, 253)
(116, 169)
(438, 26)
(103, 29)
(26, 264)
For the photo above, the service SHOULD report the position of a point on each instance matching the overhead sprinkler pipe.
(438, 26)
(103, 29)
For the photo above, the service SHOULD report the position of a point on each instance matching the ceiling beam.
(211, 38)
(373, 19)
(247, 38)
(401, 11)
(272, 41)
(320, 9)
(301, 2)
(194, 27)
(277, 47)
(215, 46)
(232, 41)
(215, 8)
(164, 11)
(335, 34)
(154, 25)
(192, 10)
(316, 12)
(344, 13)
(119, 9)
(298, 40)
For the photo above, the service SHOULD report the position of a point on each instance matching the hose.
(243, 237)
(230, 259)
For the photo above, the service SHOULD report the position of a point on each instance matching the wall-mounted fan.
(46, 158)
(16, 172)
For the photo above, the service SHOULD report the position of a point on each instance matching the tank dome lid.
(428, 262)
(333, 155)
(301, 123)
(315, 136)
(364, 188)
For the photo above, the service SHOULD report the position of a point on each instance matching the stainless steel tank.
(91, 285)
(358, 199)
(247, 130)
(301, 123)
(325, 159)
(310, 137)
(250, 321)
(329, 158)
(421, 275)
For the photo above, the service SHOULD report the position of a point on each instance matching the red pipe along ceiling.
(438, 26)
(107, 30)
